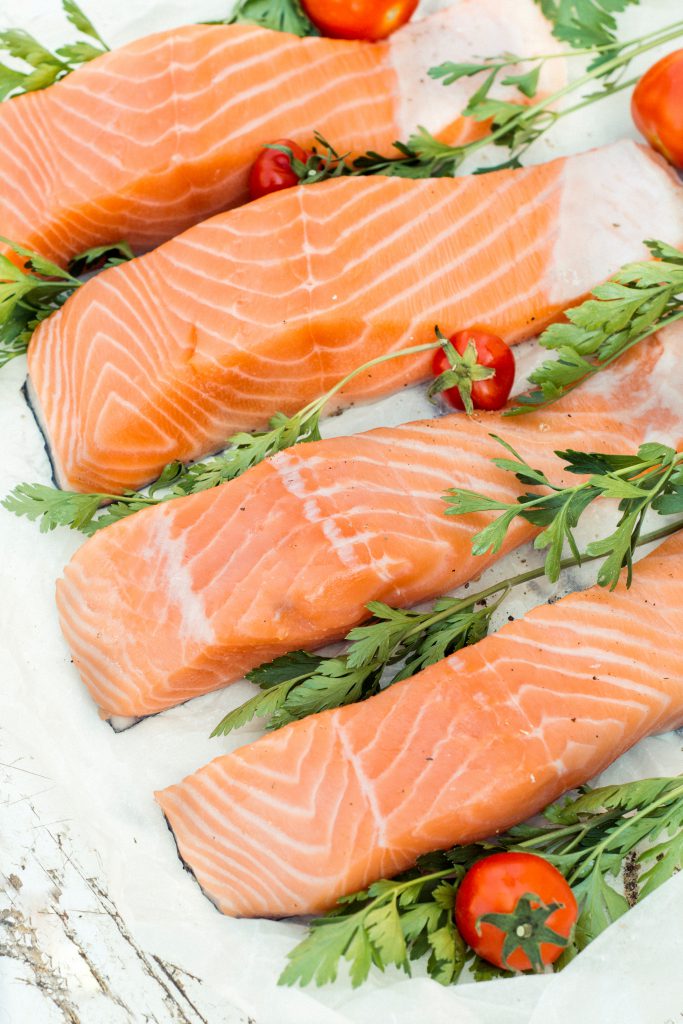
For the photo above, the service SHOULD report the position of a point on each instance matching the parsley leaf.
(52, 507)
(101, 257)
(279, 15)
(28, 296)
(390, 923)
(638, 300)
(47, 67)
(399, 642)
(651, 479)
(81, 22)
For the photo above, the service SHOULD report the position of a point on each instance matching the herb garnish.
(29, 295)
(297, 685)
(26, 298)
(47, 67)
(652, 479)
(300, 684)
(101, 257)
(411, 917)
(514, 126)
(637, 301)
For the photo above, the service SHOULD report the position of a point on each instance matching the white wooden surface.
(99, 924)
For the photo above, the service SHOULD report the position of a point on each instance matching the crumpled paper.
(101, 783)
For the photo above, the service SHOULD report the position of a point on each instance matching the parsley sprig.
(637, 301)
(30, 294)
(323, 161)
(396, 645)
(650, 480)
(588, 838)
(47, 67)
(513, 126)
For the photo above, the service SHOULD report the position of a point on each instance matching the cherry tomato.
(272, 170)
(492, 351)
(359, 19)
(508, 908)
(657, 107)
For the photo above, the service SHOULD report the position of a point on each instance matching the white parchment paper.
(104, 923)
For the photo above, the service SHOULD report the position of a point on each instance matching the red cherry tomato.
(530, 901)
(491, 351)
(657, 107)
(272, 169)
(359, 19)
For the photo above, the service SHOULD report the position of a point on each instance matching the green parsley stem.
(319, 403)
(535, 574)
(586, 51)
(576, 831)
(589, 100)
(453, 872)
(674, 31)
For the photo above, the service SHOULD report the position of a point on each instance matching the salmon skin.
(185, 597)
(465, 749)
(264, 308)
(160, 134)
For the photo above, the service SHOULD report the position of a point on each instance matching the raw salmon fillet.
(264, 308)
(465, 749)
(183, 598)
(158, 135)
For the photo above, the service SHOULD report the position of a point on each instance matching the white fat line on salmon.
(366, 786)
(96, 660)
(179, 585)
(453, 196)
(481, 242)
(587, 243)
(202, 850)
(577, 649)
(250, 827)
(292, 480)
(334, 89)
(395, 463)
